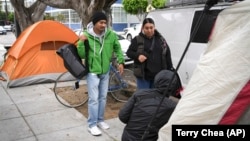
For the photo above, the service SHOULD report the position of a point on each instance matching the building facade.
(5, 4)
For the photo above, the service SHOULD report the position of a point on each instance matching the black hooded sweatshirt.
(141, 107)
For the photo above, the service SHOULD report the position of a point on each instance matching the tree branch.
(62, 4)
(38, 12)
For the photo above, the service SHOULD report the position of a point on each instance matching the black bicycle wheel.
(119, 93)
(69, 91)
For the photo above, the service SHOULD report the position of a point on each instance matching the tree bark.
(84, 8)
(26, 16)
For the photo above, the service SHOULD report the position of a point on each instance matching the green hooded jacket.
(100, 52)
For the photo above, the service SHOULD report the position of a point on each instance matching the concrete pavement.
(32, 113)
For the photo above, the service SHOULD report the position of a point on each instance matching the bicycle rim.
(123, 94)
(67, 94)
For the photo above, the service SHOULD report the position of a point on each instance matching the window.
(74, 17)
(206, 25)
(119, 15)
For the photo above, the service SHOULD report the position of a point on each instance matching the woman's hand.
(83, 38)
(142, 58)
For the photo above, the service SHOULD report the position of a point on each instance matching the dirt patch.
(73, 96)
(112, 106)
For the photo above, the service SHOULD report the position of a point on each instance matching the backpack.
(72, 61)
(139, 68)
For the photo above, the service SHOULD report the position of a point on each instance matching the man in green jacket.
(102, 43)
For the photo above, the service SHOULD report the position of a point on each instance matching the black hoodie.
(141, 107)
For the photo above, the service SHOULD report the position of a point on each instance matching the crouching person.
(141, 107)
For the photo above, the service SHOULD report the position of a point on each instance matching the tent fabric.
(32, 58)
(219, 90)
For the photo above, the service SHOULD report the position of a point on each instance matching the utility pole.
(6, 12)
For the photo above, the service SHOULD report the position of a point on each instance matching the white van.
(220, 83)
(176, 25)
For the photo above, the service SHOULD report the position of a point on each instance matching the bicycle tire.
(123, 94)
(67, 94)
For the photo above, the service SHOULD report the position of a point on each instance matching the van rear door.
(176, 26)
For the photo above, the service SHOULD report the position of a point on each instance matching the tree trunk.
(17, 26)
(27, 16)
(84, 8)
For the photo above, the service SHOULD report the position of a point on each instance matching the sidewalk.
(32, 113)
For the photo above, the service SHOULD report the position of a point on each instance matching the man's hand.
(83, 38)
(121, 68)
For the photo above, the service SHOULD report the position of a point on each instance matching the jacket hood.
(163, 78)
(90, 30)
(157, 33)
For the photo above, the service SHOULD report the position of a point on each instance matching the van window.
(206, 26)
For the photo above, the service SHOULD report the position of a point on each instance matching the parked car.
(124, 45)
(131, 32)
(8, 27)
(3, 31)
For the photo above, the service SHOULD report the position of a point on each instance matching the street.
(5, 40)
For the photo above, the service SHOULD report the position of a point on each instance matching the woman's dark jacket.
(154, 63)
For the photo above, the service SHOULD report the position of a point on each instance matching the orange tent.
(32, 59)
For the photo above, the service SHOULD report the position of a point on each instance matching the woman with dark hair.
(150, 53)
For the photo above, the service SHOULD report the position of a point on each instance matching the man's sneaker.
(103, 125)
(94, 130)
